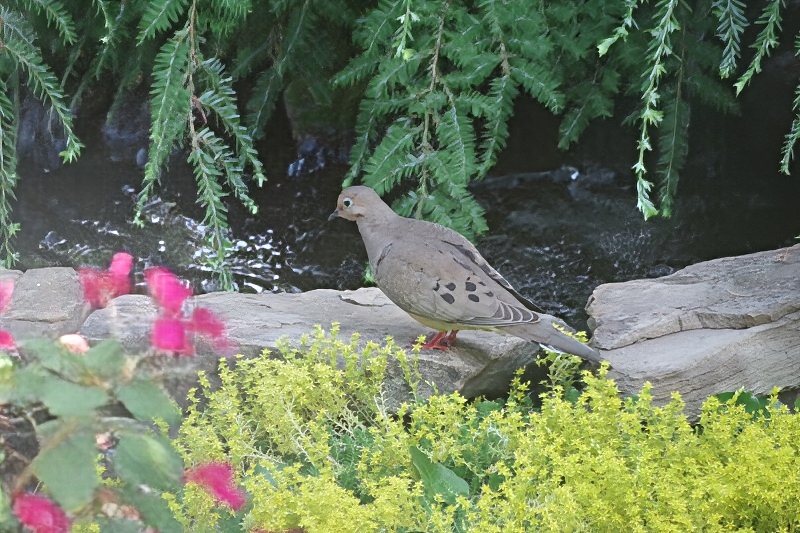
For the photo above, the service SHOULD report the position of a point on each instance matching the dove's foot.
(441, 341)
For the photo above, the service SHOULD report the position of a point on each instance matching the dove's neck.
(377, 232)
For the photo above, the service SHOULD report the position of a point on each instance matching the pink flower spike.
(7, 343)
(40, 514)
(217, 480)
(120, 270)
(97, 286)
(6, 290)
(167, 290)
(169, 335)
(205, 322)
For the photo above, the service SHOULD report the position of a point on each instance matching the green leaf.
(147, 401)
(64, 398)
(154, 509)
(68, 470)
(437, 478)
(148, 460)
(105, 359)
(117, 525)
(55, 357)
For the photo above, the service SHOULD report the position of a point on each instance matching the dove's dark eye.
(347, 202)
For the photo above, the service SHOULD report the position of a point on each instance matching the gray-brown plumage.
(438, 277)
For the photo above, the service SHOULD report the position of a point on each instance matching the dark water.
(554, 237)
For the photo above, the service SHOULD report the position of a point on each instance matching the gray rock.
(47, 302)
(712, 327)
(481, 363)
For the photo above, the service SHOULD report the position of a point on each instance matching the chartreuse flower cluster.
(311, 442)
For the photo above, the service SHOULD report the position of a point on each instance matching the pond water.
(555, 235)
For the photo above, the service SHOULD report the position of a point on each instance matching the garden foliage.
(313, 444)
(437, 79)
(307, 441)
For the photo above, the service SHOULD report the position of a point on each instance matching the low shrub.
(313, 445)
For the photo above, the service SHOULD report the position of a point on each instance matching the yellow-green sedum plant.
(313, 445)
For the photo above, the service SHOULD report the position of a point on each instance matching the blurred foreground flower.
(102, 286)
(217, 480)
(40, 514)
(166, 289)
(7, 343)
(173, 330)
(74, 342)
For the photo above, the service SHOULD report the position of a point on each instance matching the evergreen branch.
(673, 147)
(392, 158)
(8, 175)
(113, 35)
(170, 110)
(732, 22)
(660, 47)
(787, 152)
(539, 83)
(767, 40)
(210, 194)
(42, 82)
(366, 124)
(271, 81)
(621, 31)
(222, 100)
(56, 14)
(457, 138)
(267, 90)
(502, 93)
(159, 16)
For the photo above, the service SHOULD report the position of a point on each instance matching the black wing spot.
(474, 297)
(451, 286)
(447, 297)
(471, 287)
(490, 294)
(436, 287)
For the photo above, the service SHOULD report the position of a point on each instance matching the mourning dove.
(439, 278)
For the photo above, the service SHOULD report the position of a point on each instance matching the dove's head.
(359, 202)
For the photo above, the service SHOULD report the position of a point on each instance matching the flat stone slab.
(481, 363)
(712, 327)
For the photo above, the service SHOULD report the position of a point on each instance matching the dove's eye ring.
(347, 202)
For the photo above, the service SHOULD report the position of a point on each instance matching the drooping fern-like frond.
(767, 39)
(159, 16)
(392, 160)
(17, 41)
(221, 99)
(8, 174)
(787, 153)
(56, 14)
(660, 48)
(673, 146)
(209, 157)
(272, 81)
(732, 22)
(170, 109)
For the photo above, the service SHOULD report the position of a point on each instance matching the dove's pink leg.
(441, 341)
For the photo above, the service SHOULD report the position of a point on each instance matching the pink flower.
(120, 271)
(167, 290)
(7, 343)
(217, 480)
(39, 514)
(205, 322)
(101, 286)
(6, 289)
(169, 334)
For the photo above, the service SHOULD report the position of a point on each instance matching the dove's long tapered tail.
(545, 334)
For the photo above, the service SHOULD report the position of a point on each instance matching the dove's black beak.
(334, 215)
